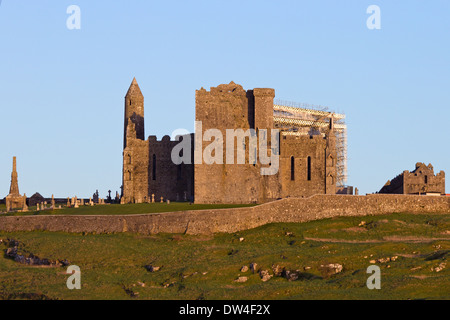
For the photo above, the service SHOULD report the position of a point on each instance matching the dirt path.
(410, 239)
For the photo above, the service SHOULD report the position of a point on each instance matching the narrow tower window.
(309, 168)
(292, 168)
(426, 179)
(179, 173)
(154, 167)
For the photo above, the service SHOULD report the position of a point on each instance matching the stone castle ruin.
(311, 151)
(421, 180)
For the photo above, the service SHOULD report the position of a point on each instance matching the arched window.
(292, 168)
(129, 158)
(426, 179)
(154, 167)
(129, 175)
(309, 168)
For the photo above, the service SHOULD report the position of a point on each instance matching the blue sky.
(62, 90)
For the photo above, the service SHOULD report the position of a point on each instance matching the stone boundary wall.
(235, 219)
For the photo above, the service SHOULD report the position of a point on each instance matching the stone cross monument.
(14, 201)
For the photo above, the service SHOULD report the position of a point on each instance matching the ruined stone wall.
(292, 210)
(134, 111)
(135, 153)
(421, 180)
(300, 148)
(148, 169)
(135, 171)
(231, 107)
(395, 186)
(166, 179)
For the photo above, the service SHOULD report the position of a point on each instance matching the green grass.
(205, 267)
(117, 209)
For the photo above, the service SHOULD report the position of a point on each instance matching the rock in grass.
(241, 279)
(332, 268)
(265, 276)
(290, 275)
(151, 268)
(244, 269)
(277, 270)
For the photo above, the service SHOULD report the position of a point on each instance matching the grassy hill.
(206, 267)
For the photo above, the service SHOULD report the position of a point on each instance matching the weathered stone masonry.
(233, 220)
(307, 163)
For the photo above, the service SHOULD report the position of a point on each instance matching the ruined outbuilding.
(420, 181)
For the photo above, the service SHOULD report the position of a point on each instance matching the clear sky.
(61, 90)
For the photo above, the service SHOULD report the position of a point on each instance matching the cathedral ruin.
(311, 151)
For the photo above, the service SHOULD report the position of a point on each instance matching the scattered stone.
(265, 276)
(167, 285)
(332, 268)
(244, 269)
(241, 239)
(141, 284)
(363, 223)
(439, 268)
(151, 268)
(130, 292)
(289, 234)
(31, 259)
(384, 260)
(241, 279)
(277, 270)
(290, 275)
(253, 267)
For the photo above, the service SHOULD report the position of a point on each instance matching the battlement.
(166, 140)
(264, 92)
(232, 88)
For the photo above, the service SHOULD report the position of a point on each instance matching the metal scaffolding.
(305, 119)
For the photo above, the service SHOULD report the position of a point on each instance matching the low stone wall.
(233, 220)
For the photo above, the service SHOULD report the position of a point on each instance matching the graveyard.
(117, 209)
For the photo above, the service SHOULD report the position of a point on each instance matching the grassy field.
(126, 209)
(206, 267)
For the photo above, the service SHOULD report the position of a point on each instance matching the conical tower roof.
(134, 89)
